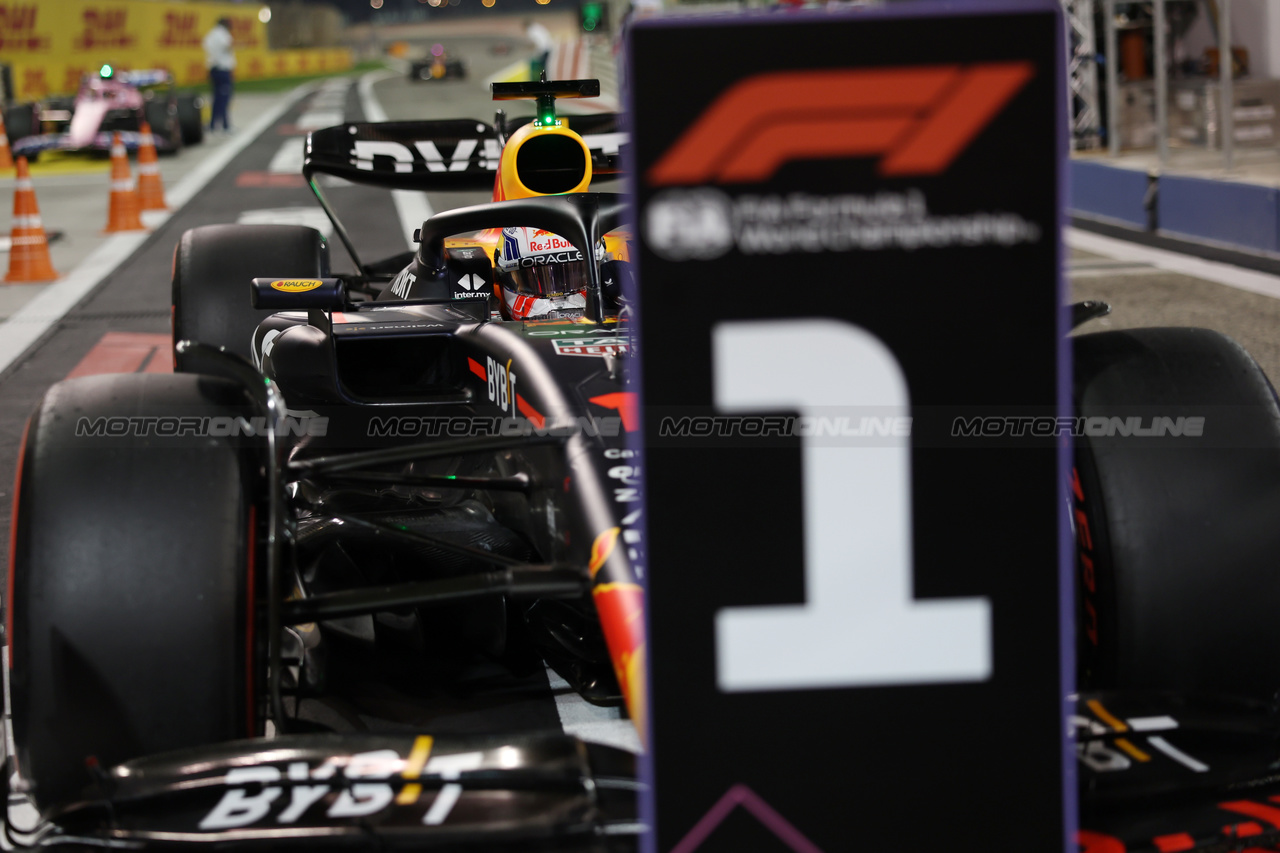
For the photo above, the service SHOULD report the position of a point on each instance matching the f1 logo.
(919, 119)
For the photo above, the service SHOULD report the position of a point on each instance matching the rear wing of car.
(446, 154)
(144, 77)
(449, 154)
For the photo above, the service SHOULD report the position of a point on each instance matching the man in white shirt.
(220, 60)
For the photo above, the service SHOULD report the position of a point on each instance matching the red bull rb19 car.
(297, 593)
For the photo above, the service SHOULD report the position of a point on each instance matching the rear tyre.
(1177, 536)
(131, 587)
(20, 121)
(212, 268)
(162, 115)
(191, 118)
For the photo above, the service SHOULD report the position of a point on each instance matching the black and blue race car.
(301, 591)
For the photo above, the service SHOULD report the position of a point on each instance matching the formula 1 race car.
(295, 592)
(372, 556)
(437, 66)
(107, 102)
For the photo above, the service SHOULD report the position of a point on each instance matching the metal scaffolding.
(1160, 48)
(1082, 74)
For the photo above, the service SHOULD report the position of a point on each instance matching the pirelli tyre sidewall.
(1178, 546)
(213, 267)
(19, 122)
(161, 114)
(190, 118)
(132, 582)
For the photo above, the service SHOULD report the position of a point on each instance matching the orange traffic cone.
(28, 247)
(150, 187)
(6, 158)
(122, 215)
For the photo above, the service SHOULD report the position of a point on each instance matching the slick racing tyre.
(190, 118)
(131, 585)
(1177, 538)
(212, 269)
(19, 122)
(162, 115)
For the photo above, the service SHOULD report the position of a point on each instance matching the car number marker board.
(849, 250)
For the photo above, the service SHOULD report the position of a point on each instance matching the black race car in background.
(437, 66)
(261, 599)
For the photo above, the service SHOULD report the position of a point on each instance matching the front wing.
(545, 791)
(29, 145)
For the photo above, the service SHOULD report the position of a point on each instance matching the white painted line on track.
(35, 318)
(39, 315)
(580, 718)
(1215, 271)
(314, 119)
(411, 205)
(312, 217)
(1118, 272)
(288, 160)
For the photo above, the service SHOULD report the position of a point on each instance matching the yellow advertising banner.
(51, 44)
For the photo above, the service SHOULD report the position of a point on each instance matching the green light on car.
(106, 71)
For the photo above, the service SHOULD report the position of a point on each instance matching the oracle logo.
(916, 119)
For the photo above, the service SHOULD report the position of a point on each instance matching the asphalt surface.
(1142, 295)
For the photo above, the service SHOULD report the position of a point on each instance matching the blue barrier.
(1244, 215)
(1107, 192)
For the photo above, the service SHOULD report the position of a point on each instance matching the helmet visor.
(536, 263)
(550, 279)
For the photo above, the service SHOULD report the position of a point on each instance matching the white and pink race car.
(108, 102)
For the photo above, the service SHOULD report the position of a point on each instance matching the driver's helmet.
(541, 275)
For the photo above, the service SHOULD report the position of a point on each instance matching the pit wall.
(51, 44)
(1213, 211)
